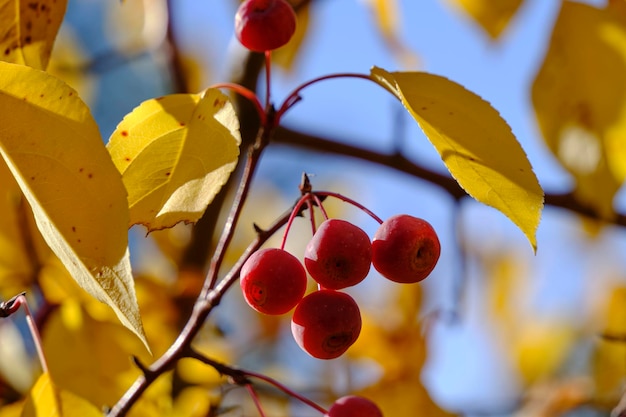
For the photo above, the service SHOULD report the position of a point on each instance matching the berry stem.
(244, 92)
(294, 97)
(241, 377)
(320, 205)
(10, 307)
(311, 215)
(350, 201)
(268, 82)
(292, 216)
(286, 390)
(255, 399)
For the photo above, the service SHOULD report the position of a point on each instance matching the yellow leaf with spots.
(579, 96)
(28, 29)
(492, 15)
(474, 142)
(53, 148)
(175, 153)
(46, 400)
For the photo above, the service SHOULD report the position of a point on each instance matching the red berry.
(354, 406)
(326, 323)
(273, 281)
(264, 25)
(405, 249)
(339, 255)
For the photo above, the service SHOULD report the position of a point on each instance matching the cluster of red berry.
(326, 322)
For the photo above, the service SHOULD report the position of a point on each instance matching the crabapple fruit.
(326, 323)
(264, 25)
(273, 281)
(339, 255)
(354, 406)
(405, 249)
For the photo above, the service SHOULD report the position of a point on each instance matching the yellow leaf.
(492, 15)
(474, 142)
(89, 357)
(29, 29)
(53, 147)
(579, 96)
(175, 153)
(46, 400)
(18, 252)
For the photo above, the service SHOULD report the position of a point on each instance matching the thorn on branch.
(143, 368)
(234, 375)
(9, 307)
(305, 185)
(258, 229)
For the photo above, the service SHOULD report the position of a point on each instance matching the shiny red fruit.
(264, 25)
(339, 255)
(354, 406)
(405, 249)
(326, 323)
(273, 281)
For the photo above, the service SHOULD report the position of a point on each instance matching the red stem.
(286, 390)
(292, 216)
(351, 201)
(268, 77)
(255, 399)
(294, 97)
(244, 92)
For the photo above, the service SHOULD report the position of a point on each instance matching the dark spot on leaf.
(32, 178)
(74, 229)
(78, 240)
(71, 93)
(127, 158)
(28, 39)
(167, 174)
(124, 133)
(424, 108)
(41, 95)
(90, 175)
(33, 6)
(81, 169)
(182, 123)
(7, 51)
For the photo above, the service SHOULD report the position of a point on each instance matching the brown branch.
(399, 162)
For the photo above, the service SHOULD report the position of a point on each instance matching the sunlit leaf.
(89, 357)
(579, 96)
(29, 29)
(18, 251)
(474, 142)
(175, 153)
(46, 400)
(492, 15)
(53, 147)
